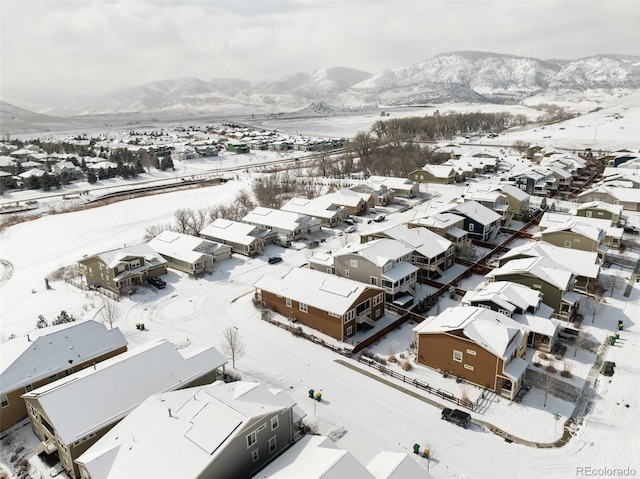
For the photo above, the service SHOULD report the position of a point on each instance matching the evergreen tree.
(91, 176)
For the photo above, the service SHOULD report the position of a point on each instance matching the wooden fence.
(416, 383)
(84, 287)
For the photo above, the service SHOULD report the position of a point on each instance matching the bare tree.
(232, 345)
(592, 306)
(197, 221)
(152, 231)
(548, 383)
(110, 312)
(182, 217)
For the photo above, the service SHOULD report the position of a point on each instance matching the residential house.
(318, 457)
(189, 254)
(517, 199)
(8, 164)
(578, 233)
(481, 346)
(382, 262)
(628, 198)
(225, 430)
(67, 168)
(535, 182)
(480, 222)
(355, 203)
(430, 252)
(44, 355)
(379, 194)
(443, 174)
(121, 269)
(400, 187)
(284, 224)
(7, 181)
(72, 413)
(332, 305)
(447, 225)
(243, 238)
(522, 304)
(324, 210)
(541, 273)
(494, 200)
(583, 264)
(604, 211)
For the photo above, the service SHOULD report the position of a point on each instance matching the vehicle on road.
(275, 259)
(157, 282)
(378, 218)
(456, 416)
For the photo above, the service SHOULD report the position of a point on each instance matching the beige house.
(443, 174)
(44, 355)
(121, 269)
(72, 413)
(190, 254)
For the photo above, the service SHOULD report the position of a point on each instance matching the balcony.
(49, 446)
(366, 319)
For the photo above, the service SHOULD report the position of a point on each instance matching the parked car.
(313, 244)
(284, 242)
(157, 282)
(275, 259)
(348, 221)
(456, 416)
(350, 229)
(378, 218)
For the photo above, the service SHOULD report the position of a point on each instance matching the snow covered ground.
(363, 414)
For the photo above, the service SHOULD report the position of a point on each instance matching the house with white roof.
(494, 200)
(443, 174)
(517, 199)
(400, 187)
(379, 193)
(190, 254)
(522, 304)
(543, 274)
(329, 213)
(586, 234)
(629, 198)
(355, 202)
(604, 211)
(72, 413)
(243, 238)
(317, 457)
(585, 265)
(284, 224)
(382, 262)
(333, 305)
(480, 222)
(481, 346)
(122, 269)
(226, 430)
(43, 355)
(430, 252)
(448, 225)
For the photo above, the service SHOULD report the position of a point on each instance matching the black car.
(275, 259)
(157, 282)
(456, 416)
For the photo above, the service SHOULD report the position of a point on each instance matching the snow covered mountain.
(460, 76)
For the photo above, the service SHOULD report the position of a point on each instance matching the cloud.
(99, 46)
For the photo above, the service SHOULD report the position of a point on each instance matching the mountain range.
(476, 77)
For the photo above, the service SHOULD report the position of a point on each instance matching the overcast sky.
(86, 46)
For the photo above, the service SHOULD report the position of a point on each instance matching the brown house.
(121, 269)
(481, 346)
(333, 305)
(47, 354)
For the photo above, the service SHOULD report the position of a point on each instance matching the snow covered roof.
(393, 182)
(477, 212)
(44, 352)
(272, 218)
(317, 207)
(182, 246)
(601, 205)
(581, 263)
(396, 465)
(323, 291)
(440, 220)
(180, 433)
(345, 197)
(421, 240)
(495, 332)
(117, 256)
(315, 457)
(554, 222)
(440, 171)
(505, 292)
(231, 231)
(379, 252)
(76, 405)
(540, 267)
(399, 271)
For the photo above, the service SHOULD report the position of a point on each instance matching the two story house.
(243, 238)
(284, 224)
(480, 222)
(121, 269)
(330, 304)
(443, 174)
(218, 430)
(329, 213)
(484, 347)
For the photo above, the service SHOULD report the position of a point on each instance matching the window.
(349, 330)
(457, 356)
(470, 368)
(28, 388)
(303, 307)
(53, 378)
(255, 455)
(251, 439)
(261, 428)
(346, 273)
(472, 227)
(274, 423)
(537, 286)
(378, 313)
(471, 352)
(4, 400)
(288, 302)
(272, 444)
(374, 281)
(567, 244)
(353, 263)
